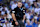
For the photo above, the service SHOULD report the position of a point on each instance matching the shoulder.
(15, 9)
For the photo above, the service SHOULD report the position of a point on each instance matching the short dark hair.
(20, 1)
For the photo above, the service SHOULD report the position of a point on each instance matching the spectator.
(14, 5)
(31, 1)
(34, 3)
(0, 21)
(28, 24)
(1, 7)
(38, 3)
(35, 24)
(28, 15)
(30, 7)
(26, 4)
(36, 16)
(37, 9)
(12, 2)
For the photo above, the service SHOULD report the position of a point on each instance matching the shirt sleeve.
(13, 11)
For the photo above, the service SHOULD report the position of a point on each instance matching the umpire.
(18, 15)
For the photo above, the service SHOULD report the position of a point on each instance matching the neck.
(19, 7)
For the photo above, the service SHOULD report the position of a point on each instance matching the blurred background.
(32, 12)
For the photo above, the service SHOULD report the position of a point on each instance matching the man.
(28, 23)
(18, 15)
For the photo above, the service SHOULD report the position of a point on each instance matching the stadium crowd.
(32, 12)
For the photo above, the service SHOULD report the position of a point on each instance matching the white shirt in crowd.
(35, 17)
(38, 4)
(9, 15)
(3, 12)
(12, 2)
(14, 6)
(39, 25)
(31, 1)
(27, 16)
(6, 8)
(1, 8)
(37, 10)
(23, 0)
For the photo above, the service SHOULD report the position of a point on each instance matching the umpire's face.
(19, 4)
